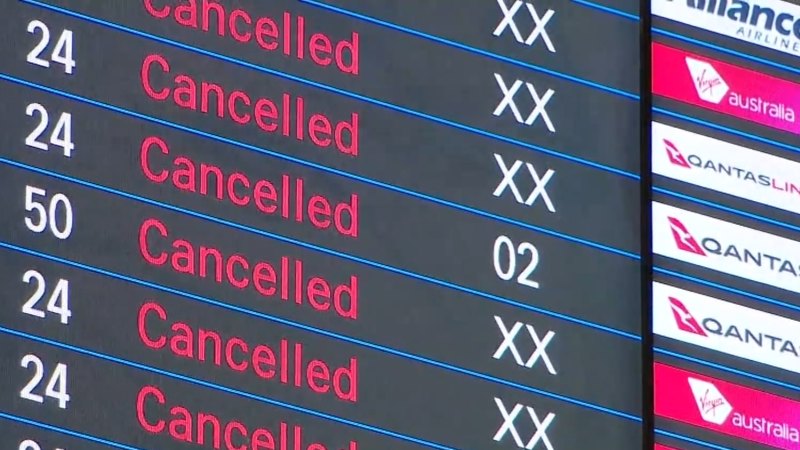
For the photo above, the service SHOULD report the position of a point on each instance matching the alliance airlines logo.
(725, 167)
(726, 327)
(726, 407)
(726, 247)
(712, 88)
(769, 23)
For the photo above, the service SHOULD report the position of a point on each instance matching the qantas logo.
(674, 154)
(683, 238)
(707, 81)
(713, 406)
(726, 327)
(685, 241)
(684, 319)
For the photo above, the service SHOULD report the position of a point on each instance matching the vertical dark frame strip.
(646, 186)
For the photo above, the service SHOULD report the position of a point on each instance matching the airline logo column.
(725, 152)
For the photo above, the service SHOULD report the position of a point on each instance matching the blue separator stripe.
(690, 439)
(76, 434)
(758, 297)
(741, 373)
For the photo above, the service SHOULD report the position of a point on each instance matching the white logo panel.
(725, 167)
(729, 328)
(728, 248)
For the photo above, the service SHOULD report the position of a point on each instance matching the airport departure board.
(321, 225)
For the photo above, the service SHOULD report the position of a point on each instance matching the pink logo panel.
(726, 88)
(726, 407)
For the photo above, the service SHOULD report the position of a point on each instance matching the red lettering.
(229, 347)
(238, 201)
(208, 7)
(145, 76)
(319, 212)
(289, 116)
(267, 33)
(265, 191)
(236, 16)
(239, 95)
(319, 294)
(147, 144)
(264, 362)
(144, 393)
(264, 273)
(285, 281)
(318, 376)
(157, 13)
(235, 426)
(230, 268)
(319, 130)
(155, 308)
(320, 49)
(143, 248)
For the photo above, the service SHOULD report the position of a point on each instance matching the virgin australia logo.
(714, 408)
(707, 81)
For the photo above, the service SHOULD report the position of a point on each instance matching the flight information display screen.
(311, 225)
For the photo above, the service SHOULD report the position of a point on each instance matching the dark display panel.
(305, 225)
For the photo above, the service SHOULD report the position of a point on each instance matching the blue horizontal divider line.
(714, 126)
(470, 49)
(721, 207)
(608, 9)
(321, 167)
(222, 388)
(320, 249)
(84, 436)
(319, 331)
(343, 92)
(723, 287)
(728, 369)
(690, 439)
(722, 49)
